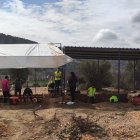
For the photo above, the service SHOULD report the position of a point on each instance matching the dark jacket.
(72, 81)
(27, 92)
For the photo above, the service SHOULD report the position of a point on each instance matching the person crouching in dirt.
(28, 93)
(113, 99)
(91, 94)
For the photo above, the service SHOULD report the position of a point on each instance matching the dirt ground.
(50, 120)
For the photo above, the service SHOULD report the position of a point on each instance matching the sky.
(97, 23)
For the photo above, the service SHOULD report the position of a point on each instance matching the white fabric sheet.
(32, 56)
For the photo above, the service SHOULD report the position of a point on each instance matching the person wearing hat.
(91, 94)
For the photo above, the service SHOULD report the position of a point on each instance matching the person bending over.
(28, 93)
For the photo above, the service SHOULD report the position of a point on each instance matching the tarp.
(32, 56)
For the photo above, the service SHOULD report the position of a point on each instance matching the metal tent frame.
(101, 53)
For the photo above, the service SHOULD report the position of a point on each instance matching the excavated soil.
(50, 120)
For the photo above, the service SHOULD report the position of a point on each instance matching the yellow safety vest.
(57, 75)
(113, 98)
(91, 91)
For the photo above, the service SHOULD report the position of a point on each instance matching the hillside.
(8, 39)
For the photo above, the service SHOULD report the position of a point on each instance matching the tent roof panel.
(29, 50)
(102, 53)
(32, 56)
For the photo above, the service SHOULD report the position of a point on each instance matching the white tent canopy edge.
(32, 56)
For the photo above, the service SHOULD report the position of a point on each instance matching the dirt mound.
(4, 129)
(71, 127)
(81, 121)
(81, 128)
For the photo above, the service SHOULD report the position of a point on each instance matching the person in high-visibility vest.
(113, 99)
(57, 79)
(91, 94)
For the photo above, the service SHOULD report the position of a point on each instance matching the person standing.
(72, 85)
(57, 79)
(18, 86)
(51, 86)
(5, 89)
(91, 94)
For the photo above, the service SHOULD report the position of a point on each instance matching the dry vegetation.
(53, 121)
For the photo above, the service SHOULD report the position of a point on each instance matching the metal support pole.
(64, 72)
(35, 81)
(98, 81)
(134, 76)
(119, 73)
(98, 65)
(64, 67)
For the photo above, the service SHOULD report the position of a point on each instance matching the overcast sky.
(111, 23)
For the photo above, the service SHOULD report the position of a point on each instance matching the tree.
(91, 74)
(128, 78)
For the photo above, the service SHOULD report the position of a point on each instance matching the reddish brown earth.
(51, 120)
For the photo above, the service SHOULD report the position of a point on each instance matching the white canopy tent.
(32, 56)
